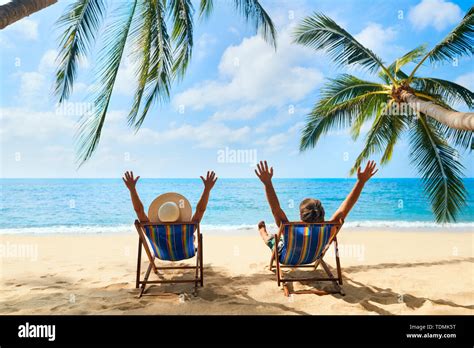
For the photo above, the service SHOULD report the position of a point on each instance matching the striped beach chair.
(169, 242)
(304, 246)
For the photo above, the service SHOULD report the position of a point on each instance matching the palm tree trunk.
(450, 118)
(18, 9)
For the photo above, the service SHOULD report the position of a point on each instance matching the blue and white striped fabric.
(171, 242)
(304, 244)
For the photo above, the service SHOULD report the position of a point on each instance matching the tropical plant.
(397, 103)
(162, 53)
(17, 9)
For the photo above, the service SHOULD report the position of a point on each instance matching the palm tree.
(18, 9)
(162, 55)
(398, 103)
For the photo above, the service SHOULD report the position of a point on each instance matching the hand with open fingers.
(129, 180)
(368, 172)
(264, 173)
(210, 180)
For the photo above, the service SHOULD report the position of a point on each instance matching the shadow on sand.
(369, 296)
(60, 294)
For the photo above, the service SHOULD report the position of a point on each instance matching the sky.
(239, 96)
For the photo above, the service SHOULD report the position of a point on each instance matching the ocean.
(103, 205)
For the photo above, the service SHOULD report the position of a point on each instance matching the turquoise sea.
(103, 205)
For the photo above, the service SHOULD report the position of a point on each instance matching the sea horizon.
(102, 205)
(220, 178)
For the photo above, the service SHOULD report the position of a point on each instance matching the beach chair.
(169, 242)
(304, 246)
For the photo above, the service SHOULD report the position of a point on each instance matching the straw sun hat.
(170, 207)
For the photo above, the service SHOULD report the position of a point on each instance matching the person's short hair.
(311, 210)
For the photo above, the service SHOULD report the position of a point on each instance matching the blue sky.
(238, 94)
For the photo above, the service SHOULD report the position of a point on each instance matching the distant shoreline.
(105, 203)
(224, 178)
(356, 226)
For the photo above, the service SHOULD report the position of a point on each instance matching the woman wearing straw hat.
(171, 206)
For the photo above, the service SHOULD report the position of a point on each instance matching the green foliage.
(344, 100)
(140, 27)
(322, 33)
(440, 168)
(114, 45)
(81, 23)
(347, 101)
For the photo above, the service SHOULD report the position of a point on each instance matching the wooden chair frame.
(337, 281)
(142, 242)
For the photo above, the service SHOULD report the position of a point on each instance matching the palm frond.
(400, 75)
(458, 137)
(325, 117)
(395, 68)
(81, 23)
(254, 12)
(374, 103)
(457, 43)
(383, 135)
(322, 33)
(161, 62)
(182, 34)
(440, 169)
(115, 39)
(205, 8)
(319, 122)
(344, 100)
(450, 92)
(142, 35)
(345, 87)
(398, 124)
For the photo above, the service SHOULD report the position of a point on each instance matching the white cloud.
(126, 81)
(48, 61)
(25, 28)
(253, 72)
(35, 86)
(4, 42)
(32, 87)
(23, 122)
(209, 134)
(436, 13)
(234, 30)
(376, 37)
(245, 112)
(204, 44)
(285, 115)
(275, 142)
(278, 141)
(466, 80)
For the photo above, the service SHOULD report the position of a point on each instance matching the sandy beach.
(384, 272)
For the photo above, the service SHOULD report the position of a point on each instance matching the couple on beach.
(173, 207)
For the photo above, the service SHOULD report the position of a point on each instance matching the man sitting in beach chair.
(304, 243)
(311, 210)
(169, 232)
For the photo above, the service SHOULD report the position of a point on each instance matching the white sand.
(384, 273)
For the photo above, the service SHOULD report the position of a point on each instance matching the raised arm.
(362, 177)
(265, 175)
(131, 182)
(209, 182)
